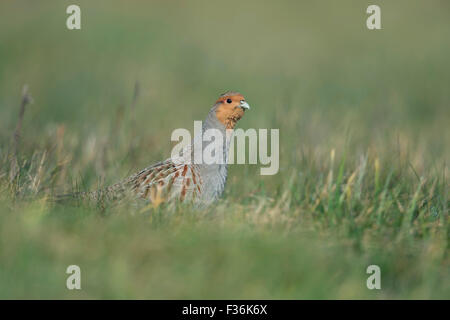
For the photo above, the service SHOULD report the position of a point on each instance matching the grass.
(364, 149)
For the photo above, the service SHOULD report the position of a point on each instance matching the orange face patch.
(229, 109)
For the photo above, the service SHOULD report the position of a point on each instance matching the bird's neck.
(214, 156)
(214, 138)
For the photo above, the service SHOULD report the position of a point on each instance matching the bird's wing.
(166, 181)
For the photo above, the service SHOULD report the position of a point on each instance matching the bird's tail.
(101, 196)
(75, 197)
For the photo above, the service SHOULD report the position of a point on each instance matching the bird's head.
(230, 108)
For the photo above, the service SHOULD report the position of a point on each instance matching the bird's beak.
(244, 105)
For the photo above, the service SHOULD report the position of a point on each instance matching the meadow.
(364, 149)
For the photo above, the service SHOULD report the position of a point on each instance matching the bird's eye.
(228, 100)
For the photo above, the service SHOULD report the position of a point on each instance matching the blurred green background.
(364, 148)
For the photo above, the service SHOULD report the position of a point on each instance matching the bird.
(181, 179)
